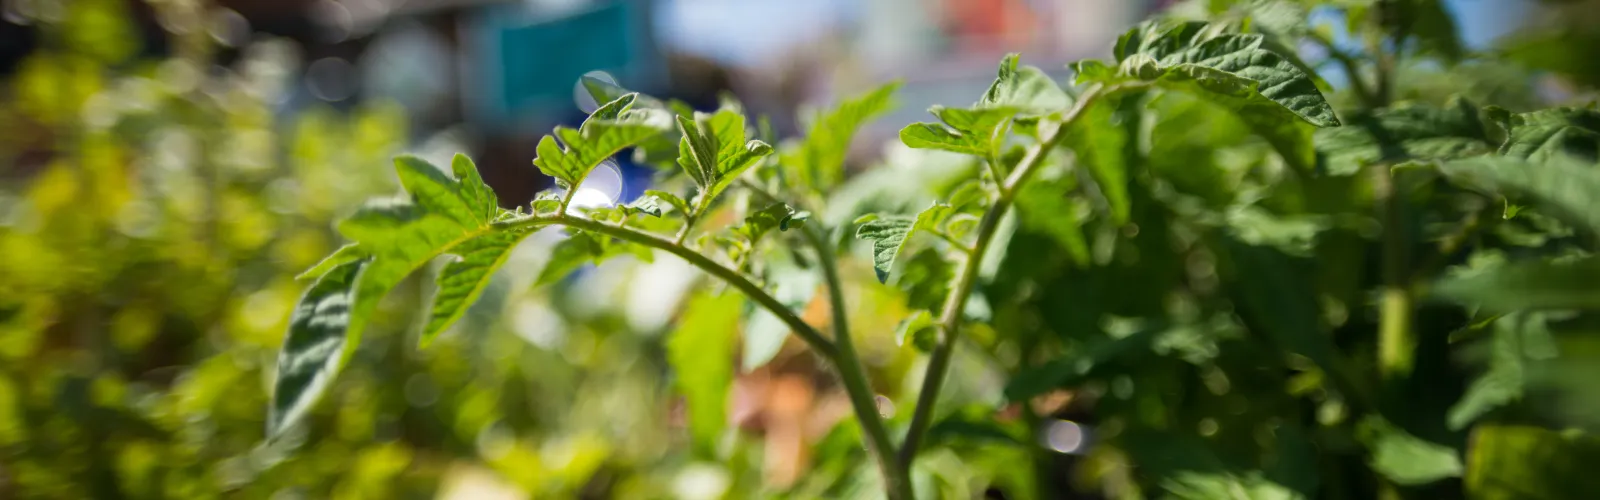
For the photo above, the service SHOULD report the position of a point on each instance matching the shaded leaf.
(920, 329)
(1547, 134)
(1518, 462)
(312, 350)
(1562, 186)
(1534, 284)
(1045, 207)
(569, 255)
(1078, 365)
(1101, 144)
(1409, 131)
(1518, 340)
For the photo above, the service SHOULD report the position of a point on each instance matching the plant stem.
(966, 277)
(897, 480)
(1395, 338)
(806, 333)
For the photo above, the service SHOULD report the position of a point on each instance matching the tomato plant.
(1188, 233)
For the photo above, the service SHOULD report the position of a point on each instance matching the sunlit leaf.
(714, 151)
(821, 157)
(1406, 459)
(919, 329)
(462, 281)
(889, 234)
(606, 132)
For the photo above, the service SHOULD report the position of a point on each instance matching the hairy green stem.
(966, 277)
(863, 400)
(806, 333)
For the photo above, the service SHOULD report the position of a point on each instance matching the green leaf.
(821, 157)
(700, 351)
(461, 282)
(765, 333)
(1237, 54)
(569, 255)
(311, 354)
(607, 131)
(778, 216)
(479, 198)
(1190, 467)
(1278, 125)
(647, 204)
(1101, 145)
(1046, 207)
(1408, 131)
(714, 151)
(1563, 186)
(974, 132)
(345, 254)
(1406, 459)
(1534, 284)
(676, 201)
(920, 329)
(1023, 87)
(1519, 339)
(1550, 133)
(1079, 365)
(1529, 463)
(889, 234)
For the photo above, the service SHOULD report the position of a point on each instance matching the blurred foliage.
(1187, 304)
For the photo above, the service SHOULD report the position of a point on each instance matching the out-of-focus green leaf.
(1274, 293)
(1529, 463)
(1187, 467)
(1278, 125)
(920, 329)
(1565, 187)
(765, 333)
(569, 255)
(312, 351)
(1101, 144)
(1519, 338)
(348, 253)
(1409, 131)
(967, 131)
(1078, 365)
(1548, 134)
(607, 131)
(701, 353)
(1535, 284)
(778, 216)
(821, 158)
(1023, 87)
(1406, 459)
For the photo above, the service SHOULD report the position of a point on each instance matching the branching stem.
(966, 277)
